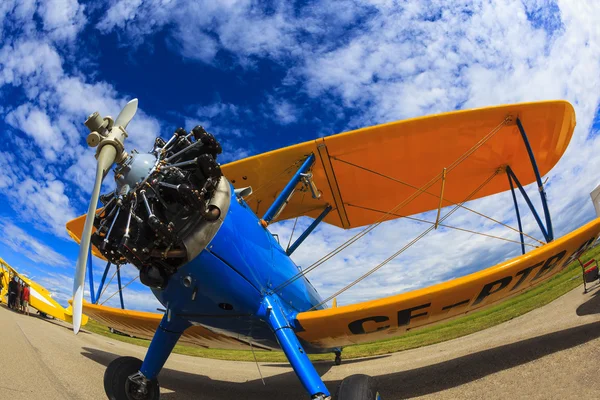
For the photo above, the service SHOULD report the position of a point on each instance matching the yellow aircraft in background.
(40, 298)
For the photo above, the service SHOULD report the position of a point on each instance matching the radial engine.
(167, 206)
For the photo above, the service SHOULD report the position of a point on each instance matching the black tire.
(358, 387)
(118, 386)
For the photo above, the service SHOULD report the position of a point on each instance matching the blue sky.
(265, 74)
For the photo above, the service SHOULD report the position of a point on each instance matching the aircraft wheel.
(358, 387)
(118, 386)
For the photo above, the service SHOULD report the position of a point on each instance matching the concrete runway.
(549, 353)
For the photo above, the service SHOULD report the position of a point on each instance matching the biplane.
(199, 232)
(40, 298)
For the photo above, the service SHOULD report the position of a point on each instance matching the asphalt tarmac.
(550, 353)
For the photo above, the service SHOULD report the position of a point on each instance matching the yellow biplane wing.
(39, 297)
(351, 168)
(394, 315)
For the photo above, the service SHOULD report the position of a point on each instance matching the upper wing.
(391, 316)
(143, 325)
(413, 151)
(39, 296)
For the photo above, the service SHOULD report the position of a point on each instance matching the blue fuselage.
(223, 287)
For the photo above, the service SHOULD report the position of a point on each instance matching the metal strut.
(512, 189)
(120, 288)
(91, 276)
(102, 282)
(308, 230)
(286, 193)
(272, 313)
(512, 176)
(550, 232)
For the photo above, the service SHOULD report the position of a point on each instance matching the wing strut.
(308, 230)
(549, 235)
(512, 190)
(91, 276)
(287, 192)
(120, 288)
(102, 282)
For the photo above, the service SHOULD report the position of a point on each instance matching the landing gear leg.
(338, 357)
(128, 378)
(272, 313)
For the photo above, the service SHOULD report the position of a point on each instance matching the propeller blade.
(105, 159)
(127, 113)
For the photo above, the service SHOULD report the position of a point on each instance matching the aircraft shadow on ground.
(592, 306)
(404, 384)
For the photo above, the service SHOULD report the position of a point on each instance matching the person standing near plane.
(25, 297)
(17, 302)
(1, 284)
(12, 291)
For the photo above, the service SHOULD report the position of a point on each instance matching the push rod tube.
(287, 191)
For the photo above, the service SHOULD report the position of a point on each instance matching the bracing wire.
(436, 196)
(120, 290)
(412, 242)
(109, 281)
(446, 226)
(294, 227)
(385, 217)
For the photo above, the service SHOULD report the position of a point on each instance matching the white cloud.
(56, 20)
(43, 203)
(241, 27)
(52, 119)
(62, 19)
(36, 123)
(281, 111)
(29, 64)
(27, 245)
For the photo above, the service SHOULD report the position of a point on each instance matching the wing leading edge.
(394, 315)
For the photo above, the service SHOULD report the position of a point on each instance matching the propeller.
(109, 140)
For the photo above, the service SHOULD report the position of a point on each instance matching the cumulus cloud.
(52, 118)
(202, 28)
(57, 20)
(27, 245)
